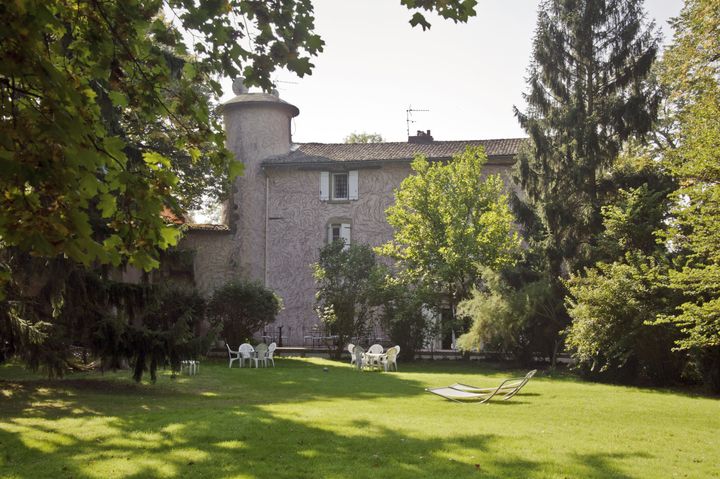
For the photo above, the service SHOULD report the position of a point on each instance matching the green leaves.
(587, 94)
(448, 222)
(691, 74)
(118, 99)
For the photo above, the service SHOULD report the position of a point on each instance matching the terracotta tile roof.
(502, 150)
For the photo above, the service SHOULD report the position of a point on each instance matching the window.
(339, 231)
(339, 186)
(335, 232)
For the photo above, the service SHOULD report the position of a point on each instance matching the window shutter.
(324, 186)
(353, 185)
(329, 234)
(345, 234)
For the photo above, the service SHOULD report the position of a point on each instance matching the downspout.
(267, 212)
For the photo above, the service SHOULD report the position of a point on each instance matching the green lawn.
(296, 421)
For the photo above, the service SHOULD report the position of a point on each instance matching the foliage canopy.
(450, 220)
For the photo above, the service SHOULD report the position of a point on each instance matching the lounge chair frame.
(464, 393)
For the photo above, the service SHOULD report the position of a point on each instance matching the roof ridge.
(407, 143)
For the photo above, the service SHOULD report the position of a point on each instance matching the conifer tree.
(586, 95)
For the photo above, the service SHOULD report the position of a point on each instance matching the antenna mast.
(408, 117)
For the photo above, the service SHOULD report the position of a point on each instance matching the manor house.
(293, 198)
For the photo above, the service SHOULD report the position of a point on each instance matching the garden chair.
(234, 355)
(350, 348)
(464, 393)
(375, 349)
(246, 353)
(390, 359)
(360, 361)
(260, 355)
(271, 353)
(374, 361)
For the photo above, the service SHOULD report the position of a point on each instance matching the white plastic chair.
(260, 355)
(360, 361)
(270, 353)
(390, 359)
(190, 366)
(234, 355)
(374, 362)
(376, 349)
(350, 348)
(246, 352)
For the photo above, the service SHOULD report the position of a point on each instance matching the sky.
(375, 66)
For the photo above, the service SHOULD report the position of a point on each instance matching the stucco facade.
(278, 218)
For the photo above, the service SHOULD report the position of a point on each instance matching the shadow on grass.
(225, 423)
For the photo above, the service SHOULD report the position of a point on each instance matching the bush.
(402, 315)
(243, 308)
(613, 308)
(346, 278)
(520, 321)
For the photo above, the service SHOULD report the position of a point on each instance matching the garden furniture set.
(374, 358)
(260, 354)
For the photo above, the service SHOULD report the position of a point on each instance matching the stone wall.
(297, 229)
(216, 258)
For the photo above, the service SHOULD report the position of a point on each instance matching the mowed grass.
(297, 421)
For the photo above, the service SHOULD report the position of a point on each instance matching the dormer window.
(341, 186)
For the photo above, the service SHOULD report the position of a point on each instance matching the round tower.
(257, 127)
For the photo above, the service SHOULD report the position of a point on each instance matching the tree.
(613, 307)
(364, 138)
(518, 320)
(586, 96)
(691, 72)
(107, 118)
(107, 113)
(346, 278)
(243, 308)
(449, 222)
(403, 312)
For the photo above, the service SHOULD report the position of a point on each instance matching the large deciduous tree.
(691, 72)
(107, 118)
(450, 220)
(586, 96)
(107, 115)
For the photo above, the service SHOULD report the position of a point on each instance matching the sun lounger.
(464, 393)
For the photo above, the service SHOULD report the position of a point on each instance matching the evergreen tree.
(587, 95)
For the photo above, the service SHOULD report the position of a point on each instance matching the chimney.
(422, 138)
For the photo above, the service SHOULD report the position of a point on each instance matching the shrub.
(520, 321)
(402, 315)
(346, 278)
(613, 308)
(243, 308)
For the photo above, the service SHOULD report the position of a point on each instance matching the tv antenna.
(275, 82)
(408, 117)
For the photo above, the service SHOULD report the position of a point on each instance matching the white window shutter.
(353, 185)
(345, 234)
(324, 186)
(329, 234)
